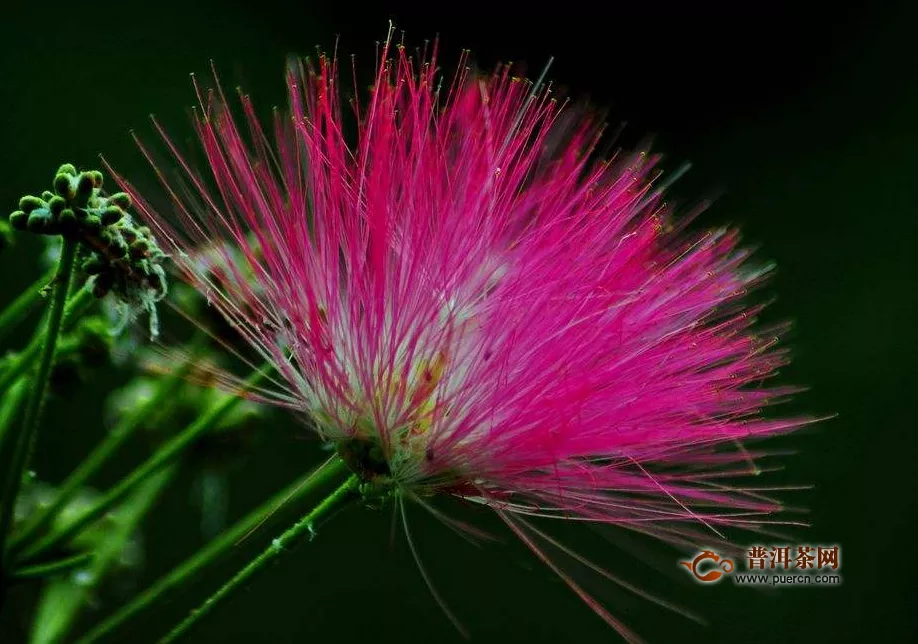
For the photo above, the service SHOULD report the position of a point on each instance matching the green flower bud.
(18, 220)
(118, 248)
(56, 205)
(111, 215)
(84, 189)
(97, 178)
(36, 222)
(29, 203)
(63, 186)
(92, 225)
(67, 220)
(139, 249)
(67, 169)
(121, 199)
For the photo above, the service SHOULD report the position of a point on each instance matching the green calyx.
(365, 457)
(119, 256)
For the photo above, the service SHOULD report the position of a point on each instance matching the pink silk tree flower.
(464, 301)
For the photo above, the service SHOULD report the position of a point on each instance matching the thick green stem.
(220, 546)
(302, 528)
(76, 306)
(35, 403)
(13, 314)
(163, 456)
(166, 389)
(9, 408)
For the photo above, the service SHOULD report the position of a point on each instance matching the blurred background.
(802, 123)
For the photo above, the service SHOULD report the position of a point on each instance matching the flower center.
(365, 457)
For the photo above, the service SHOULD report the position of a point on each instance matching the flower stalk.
(344, 493)
(35, 403)
(9, 409)
(214, 550)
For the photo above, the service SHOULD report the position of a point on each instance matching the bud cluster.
(119, 255)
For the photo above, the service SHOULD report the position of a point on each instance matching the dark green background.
(805, 121)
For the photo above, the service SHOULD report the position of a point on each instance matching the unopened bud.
(67, 220)
(121, 199)
(139, 249)
(29, 203)
(92, 225)
(63, 186)
(84, 189)
(18, 220)
(111, 215)
(56, 205)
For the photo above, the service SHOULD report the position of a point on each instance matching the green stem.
(13, 314)
(53, 567)
(302, 528)
(9, 407)
(34, 405)
(166, 389)
(220, 546)
(76, 306)
(164, 455)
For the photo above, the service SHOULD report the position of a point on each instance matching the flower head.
(464, 301)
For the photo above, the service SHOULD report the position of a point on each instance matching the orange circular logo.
(697, 566)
